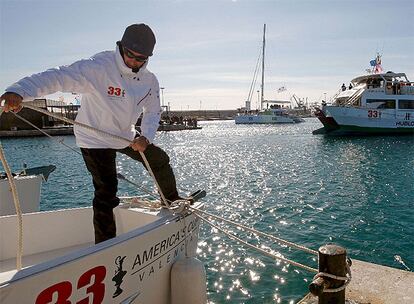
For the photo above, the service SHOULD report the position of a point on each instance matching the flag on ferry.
(281, 89)
(378, 68)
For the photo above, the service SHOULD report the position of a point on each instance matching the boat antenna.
(263, 61)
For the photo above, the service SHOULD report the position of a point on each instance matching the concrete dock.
(376, 284)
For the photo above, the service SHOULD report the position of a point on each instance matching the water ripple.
(357, 192)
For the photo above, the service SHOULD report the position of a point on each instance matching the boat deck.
(54, 234)
(8, 267)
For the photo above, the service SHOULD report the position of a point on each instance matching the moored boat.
(61, 262)
(273, 115)
(28, 183)
(375, 104)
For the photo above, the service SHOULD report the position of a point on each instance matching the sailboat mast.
(263, 61)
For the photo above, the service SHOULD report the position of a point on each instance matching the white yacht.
(375, 104)
(275, 114)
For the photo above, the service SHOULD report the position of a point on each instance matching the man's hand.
(139, 144)
(13, 102)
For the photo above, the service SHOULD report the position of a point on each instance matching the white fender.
(188, 282)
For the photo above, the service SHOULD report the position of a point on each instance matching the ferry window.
(406, 104)
(382, 103)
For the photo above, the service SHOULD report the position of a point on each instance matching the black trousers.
(102, 166)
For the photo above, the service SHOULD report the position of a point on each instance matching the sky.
(206, 51)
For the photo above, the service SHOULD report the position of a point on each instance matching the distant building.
(8, 121)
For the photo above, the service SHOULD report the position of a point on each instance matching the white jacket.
(113, 97)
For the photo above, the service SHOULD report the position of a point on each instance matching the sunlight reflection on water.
(278, 179)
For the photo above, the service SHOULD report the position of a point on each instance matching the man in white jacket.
(116, 89)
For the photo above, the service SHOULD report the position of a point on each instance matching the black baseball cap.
(139, 38)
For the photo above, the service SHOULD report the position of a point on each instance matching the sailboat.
(276, 113)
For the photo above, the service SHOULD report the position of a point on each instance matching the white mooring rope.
(346, 279)
(303, 248)
(266, 253)
(180, 206)
(16, 201)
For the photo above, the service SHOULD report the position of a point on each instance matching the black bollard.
(332, 260)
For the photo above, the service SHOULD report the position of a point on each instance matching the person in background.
(343, 87)
(116, 89)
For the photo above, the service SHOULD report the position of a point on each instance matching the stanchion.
(332, 260)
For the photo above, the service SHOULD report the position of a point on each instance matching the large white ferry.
(375, 104)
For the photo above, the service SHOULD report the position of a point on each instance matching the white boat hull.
(353, 120)
(28, 189)
(263, 119)
(133, 266)
(371, 118)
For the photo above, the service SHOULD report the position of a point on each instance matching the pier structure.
(338, 280)
(369, 283)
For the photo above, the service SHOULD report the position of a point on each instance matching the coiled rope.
(346, 279)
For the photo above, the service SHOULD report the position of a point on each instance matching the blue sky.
(206, 51)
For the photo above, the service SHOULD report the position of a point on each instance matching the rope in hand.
(127, 141)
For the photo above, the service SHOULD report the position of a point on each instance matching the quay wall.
(223, 114)
(203, 114)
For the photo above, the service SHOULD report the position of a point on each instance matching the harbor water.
(357, 192)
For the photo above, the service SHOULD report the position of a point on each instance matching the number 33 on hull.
(62, 265)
